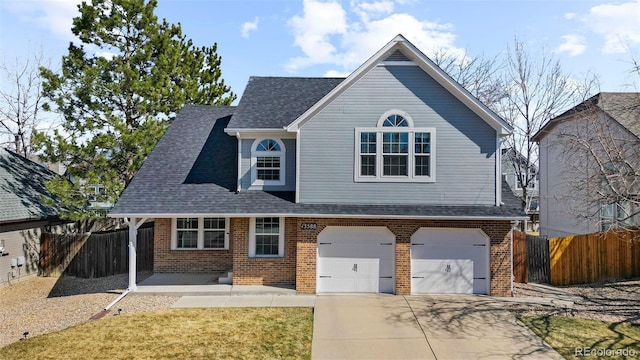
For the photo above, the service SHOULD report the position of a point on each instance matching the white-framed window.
(395, 151)
(200, 234)
(266, 237)
(267, 162)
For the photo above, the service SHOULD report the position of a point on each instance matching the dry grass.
(566, 335)
(225, 333)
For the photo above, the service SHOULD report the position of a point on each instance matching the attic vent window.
(267, 162)
(397, 56)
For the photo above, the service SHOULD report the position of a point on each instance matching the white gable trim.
(419, 59)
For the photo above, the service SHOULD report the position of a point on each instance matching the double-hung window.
(200, 234)
(267, 162)
(395, 151)
(266, 237)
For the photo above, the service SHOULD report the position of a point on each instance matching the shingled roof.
(623, 107)
(193, 170)
(275, 102)
(22, 188)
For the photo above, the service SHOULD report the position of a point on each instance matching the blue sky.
(331, 38)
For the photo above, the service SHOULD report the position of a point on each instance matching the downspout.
(239, 182)
(499, 142)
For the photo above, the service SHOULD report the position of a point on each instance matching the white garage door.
(449, 261)
(356, 259)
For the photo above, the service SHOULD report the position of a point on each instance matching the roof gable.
(623, 107)
(401, 50)
(22, 188)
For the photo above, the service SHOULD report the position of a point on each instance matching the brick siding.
(298, 266)
(166, 260)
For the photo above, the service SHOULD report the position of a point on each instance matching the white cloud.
(336, 74)
(106, 54)
(570, 16)
(249, 26)
(618, 23)
(56, 16)
(328, 34)
(572, 44)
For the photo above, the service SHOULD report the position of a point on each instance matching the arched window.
(405, 154)
(267, 162)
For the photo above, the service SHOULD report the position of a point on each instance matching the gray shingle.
(22, 188)
(274, 102)
(193, 170)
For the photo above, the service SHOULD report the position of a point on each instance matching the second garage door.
(356, 259)
(449, 261)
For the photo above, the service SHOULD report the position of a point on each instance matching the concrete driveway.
(420, 327)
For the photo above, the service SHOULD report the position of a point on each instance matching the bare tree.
(537, 89)
(479, 75)
(21, 100)
(600, 148)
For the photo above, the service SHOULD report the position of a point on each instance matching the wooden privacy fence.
(530, 258)
(99, 255)
(594, 257)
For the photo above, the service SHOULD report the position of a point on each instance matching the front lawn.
(576, 338)
(224, 333)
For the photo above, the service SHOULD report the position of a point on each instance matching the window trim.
(255, 182)
(379, 177)
(252, 238)
(200, 229)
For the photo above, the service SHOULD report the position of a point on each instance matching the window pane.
(187, 239)
(214, 223)
(368, 165)
(368, 143)
(395, 121)
(422, 166)
(269, 225)
(395, 143)
(268, 167)
(267, 244)
(214, 239)
(268, 145)
(187, 223)
(423, 143)
(395, 165)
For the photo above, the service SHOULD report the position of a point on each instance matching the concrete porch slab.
(202, 285)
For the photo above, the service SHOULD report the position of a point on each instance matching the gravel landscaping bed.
(43, 305)
(612, 302)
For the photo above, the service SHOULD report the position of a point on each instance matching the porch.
(174, 284)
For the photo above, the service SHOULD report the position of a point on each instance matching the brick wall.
(262, 271)
(498, 232)
(186, 261)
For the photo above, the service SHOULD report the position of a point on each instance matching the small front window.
(267, 162)
(266, 238)
(187, 233)
(200, 234)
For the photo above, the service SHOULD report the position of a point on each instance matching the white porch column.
(134, 225)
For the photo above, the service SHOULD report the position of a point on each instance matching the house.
(23, 215)
(513, 166)
(585, 157)
(386, 181)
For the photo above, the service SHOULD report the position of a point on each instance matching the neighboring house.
(580, 151)
(386, 181)
(23, 215)
(512, 159)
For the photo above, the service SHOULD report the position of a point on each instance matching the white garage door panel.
(355, 259)
(450, 276)
(447, 261)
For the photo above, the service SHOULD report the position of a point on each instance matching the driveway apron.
(420, 327)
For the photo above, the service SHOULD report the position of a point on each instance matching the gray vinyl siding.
(290, 166)
(20, 242)
(465, 144)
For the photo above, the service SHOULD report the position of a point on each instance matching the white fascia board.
(297, 215)
(421, 60)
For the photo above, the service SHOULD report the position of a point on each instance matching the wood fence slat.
(102, 254)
